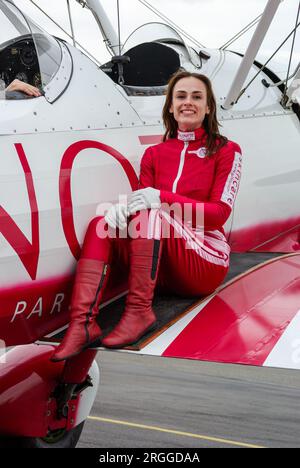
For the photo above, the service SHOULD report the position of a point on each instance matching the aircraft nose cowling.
(28, 379)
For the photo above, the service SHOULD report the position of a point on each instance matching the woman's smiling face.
(189, 103)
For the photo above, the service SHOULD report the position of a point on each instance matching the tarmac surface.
(155, 402)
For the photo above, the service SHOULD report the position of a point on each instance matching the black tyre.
(55, 439)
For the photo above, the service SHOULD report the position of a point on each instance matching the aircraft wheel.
(55, 439)
(7, 442)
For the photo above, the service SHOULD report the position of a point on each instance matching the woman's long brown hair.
(215, 140)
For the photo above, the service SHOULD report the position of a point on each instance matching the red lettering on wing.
(27, 251)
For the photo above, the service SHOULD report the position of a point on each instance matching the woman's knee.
(93, 224)
(95, 245)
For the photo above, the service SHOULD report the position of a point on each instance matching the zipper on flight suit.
(181, 164)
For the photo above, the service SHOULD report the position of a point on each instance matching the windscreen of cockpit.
(27, 53)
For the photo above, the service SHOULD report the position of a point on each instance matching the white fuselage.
(94, 108)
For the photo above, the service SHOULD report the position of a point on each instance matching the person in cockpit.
(26, 88)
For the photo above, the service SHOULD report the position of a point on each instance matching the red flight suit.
(195, 256)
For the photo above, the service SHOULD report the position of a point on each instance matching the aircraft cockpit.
(19, 60)
(154, 53)
(31, 55)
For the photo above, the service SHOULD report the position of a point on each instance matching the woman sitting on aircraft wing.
(194, 168)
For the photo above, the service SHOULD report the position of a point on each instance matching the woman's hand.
(116, 216)
(144, 199)
(18, 85)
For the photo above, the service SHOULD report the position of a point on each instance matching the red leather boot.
(138, 316)
(83, 331)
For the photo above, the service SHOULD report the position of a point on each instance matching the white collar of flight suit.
(191, 136)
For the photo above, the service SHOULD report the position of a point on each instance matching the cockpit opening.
(18, 60)
(156, 52)
(29, 54)
(151, 65)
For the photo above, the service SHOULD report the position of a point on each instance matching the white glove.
(144, 199)
(116, 216)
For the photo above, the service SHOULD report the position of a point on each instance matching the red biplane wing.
(253, 318)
